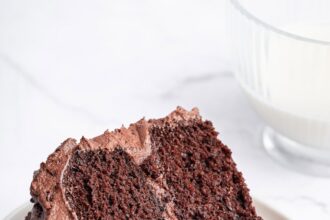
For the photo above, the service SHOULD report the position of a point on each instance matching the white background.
(69, 68)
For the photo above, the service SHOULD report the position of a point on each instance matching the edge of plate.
(21, 210)
(262, 209)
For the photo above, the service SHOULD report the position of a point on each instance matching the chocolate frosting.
(46, 185)
(46, 188)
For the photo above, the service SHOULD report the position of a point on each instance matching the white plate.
(263, 210)
(266, 212)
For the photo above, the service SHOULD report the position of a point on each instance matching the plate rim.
(15, 211)
(256, 202)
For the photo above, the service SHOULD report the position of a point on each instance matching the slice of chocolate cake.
(170, 168)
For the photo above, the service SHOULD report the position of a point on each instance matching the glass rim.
(246, 13)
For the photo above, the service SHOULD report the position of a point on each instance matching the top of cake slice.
(169, 168)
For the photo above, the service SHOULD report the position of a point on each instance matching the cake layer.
(196, 170)
(102, 183)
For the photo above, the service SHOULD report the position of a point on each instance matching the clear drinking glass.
(282, 49)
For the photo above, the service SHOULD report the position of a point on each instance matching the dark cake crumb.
(198, 170)
(108, 185)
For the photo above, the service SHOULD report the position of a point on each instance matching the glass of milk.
(282, 49)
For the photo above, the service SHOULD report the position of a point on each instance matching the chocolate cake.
(170, 168)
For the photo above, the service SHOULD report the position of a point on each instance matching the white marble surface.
(69, 68)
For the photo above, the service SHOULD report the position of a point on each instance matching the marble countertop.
(69, 69)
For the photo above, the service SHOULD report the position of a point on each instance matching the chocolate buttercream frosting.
(169, 168)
